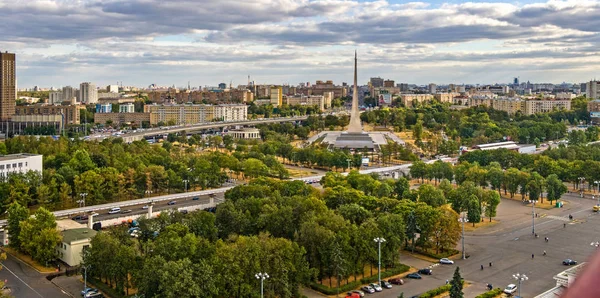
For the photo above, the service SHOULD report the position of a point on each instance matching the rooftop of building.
(17, 156)
(68, 224)
(73, 235)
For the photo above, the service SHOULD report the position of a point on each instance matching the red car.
(396, 281)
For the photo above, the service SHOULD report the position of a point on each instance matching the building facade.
(68, 93)
(245, 133)
(230, 112)
(8, 85)
(55, 97)
(103, 108)
(127, 108)
(545, 106)
(69, 112)
(592, 89)
(409, 100)
(311, 100)
(88, 94)
(376, 82)
(276, 96)
(20, 163)
(117, 119)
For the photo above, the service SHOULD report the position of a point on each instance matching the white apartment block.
(231, 112)
(112, 88)
(592, 89)
(127, 108)
(55, 97)
(20, 163)
(88, 94)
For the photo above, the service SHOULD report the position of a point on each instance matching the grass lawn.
(485, 223)
(295, 173)
(29, 261)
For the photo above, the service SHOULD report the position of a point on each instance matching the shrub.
(490, 294)
(445, 254)
(437, 291)
(355, 284)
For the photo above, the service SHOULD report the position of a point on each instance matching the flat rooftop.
(17, 156)
(70, 236)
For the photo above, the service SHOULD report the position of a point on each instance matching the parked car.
(95, 295)
(86, 290)
(446, 261)
(396, 281)
(368, 289)
(171, 203)
(569, 262)
(510, 289)
(426, 271)
(114, 210)
(376, 287)
(414, 276)
(357, 292)
(386, 284)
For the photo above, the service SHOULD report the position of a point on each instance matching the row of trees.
(512, 180)
(112, 171)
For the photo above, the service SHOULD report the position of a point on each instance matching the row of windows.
(14, 165)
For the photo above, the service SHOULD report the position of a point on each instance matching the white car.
(376, 287)
(510, 289)
(446, 261)
(114, 210)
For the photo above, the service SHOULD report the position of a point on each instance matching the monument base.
(353, 140)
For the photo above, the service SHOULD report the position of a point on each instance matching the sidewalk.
(71, 285)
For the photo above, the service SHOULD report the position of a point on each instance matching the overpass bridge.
(130, 137)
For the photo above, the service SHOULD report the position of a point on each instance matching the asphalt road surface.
(509, 246)
(25, 282)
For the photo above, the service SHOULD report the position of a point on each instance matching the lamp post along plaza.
(463, 235)
(261, 276)
(520, 278)
(185, 182)
(533, 216)
(379, 240)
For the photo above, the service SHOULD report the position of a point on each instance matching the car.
(396, 281)
(94, 214)
(126, 211)
(376, 287)
(510, 289)
(171, 203)
(145, 207)
(569, 262)
(79, 217)
(86, 290)
(414, 275)
(184, 211)
(386, 284)
(95, 295)
(114, 210)
(368, 289)
(446, 261)
(426, 271)
(196, 198)
(357, 292)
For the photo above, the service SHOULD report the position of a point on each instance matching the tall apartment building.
(68, 93)
(388, 83)
(8, 85)
(376, 82)
(592, 89)
(112, 88)
(432, 88)
(88, 94)
(526, 107)
(103, 108)
(409, 99)
(276, 96)
(320, 88)
(55, 97)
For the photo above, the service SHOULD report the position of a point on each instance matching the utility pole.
(463, 236)
(379, 240)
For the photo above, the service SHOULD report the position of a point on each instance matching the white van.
(114, 210)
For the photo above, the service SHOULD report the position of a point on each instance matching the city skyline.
(59, 43)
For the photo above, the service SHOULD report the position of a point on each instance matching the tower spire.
(355, 125)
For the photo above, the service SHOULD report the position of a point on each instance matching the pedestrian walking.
(532, 255)
(564, 225)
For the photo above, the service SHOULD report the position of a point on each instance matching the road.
(25, 282)
(509, 246)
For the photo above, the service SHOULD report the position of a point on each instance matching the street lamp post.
(520, 278)
(148, 192)
(185, 182)
(463, 235)
(82, 202)
(581, 181)
(533, 216)
(262, 277)
(348, 160)
(379, 240)
(85, 269)
(596, 182)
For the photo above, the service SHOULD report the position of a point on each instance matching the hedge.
(490, 294)
(355, 284)
(437, 291)
(448, 253)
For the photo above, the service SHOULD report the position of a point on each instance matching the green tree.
(431, 196)
(512, 179)
(495, 176)
(418, 170)
(456, 285)
(401, 187)
(555, 188)
(16, 214)
(492, 200)
(39, 236)
(473, 210)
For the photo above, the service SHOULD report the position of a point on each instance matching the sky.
(206, 42)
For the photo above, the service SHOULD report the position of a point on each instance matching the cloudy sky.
(166, 42)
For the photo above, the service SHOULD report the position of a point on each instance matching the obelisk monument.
(355, 126)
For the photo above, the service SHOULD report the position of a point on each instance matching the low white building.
(127, 108)
(245, 133)
(76, 238)
(20, 163)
